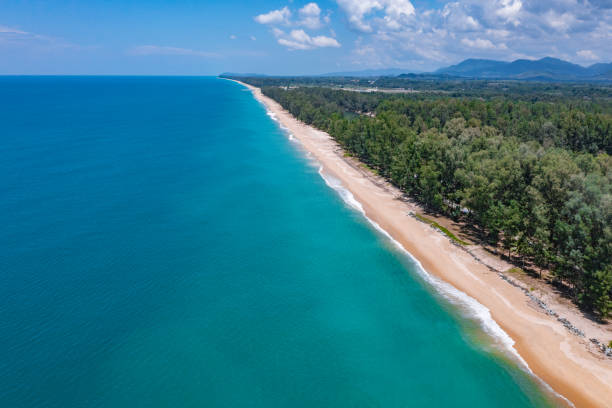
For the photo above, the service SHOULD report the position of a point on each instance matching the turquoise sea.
(164, 244)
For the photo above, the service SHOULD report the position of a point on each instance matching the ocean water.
(165, 244)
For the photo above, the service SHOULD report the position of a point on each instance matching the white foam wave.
(346, 195)
(468, 304)
(285, 129)
(272, 115)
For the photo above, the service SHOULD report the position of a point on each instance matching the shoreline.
(554, 355)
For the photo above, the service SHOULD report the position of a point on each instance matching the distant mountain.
(472, 66)
(543, 69)
(602, 70)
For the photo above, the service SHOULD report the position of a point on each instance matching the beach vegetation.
(370, 169)
(442, 229)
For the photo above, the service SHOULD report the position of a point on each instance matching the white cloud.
(300, 40)
(357, 11)
(558, 21)
(478, 43)
(396, 12)
(232, 37)
(162, 50)
(457, 19)
(253, 38)
(9, 30)
(13, 37)
(497, 33)
(509, 10)
(310, 16)
(281, 16)
(587, 55)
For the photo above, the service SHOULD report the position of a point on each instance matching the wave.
(285, 129)
(272, 115)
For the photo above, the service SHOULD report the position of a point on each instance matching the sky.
(292, 37)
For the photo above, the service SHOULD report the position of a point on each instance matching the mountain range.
(543, 69)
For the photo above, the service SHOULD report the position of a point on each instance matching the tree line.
(533, 176)
(442, 85)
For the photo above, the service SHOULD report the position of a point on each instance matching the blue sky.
(291, 36)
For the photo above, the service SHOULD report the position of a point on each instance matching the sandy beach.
(563, 360)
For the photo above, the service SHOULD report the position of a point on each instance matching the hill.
(543, 69)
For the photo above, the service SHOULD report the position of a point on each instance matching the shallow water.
(164, 243)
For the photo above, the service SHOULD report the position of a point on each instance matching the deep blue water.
(164, 244)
